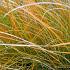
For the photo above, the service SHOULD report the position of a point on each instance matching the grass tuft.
(34, 34)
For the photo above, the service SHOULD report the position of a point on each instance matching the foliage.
(34, 34)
